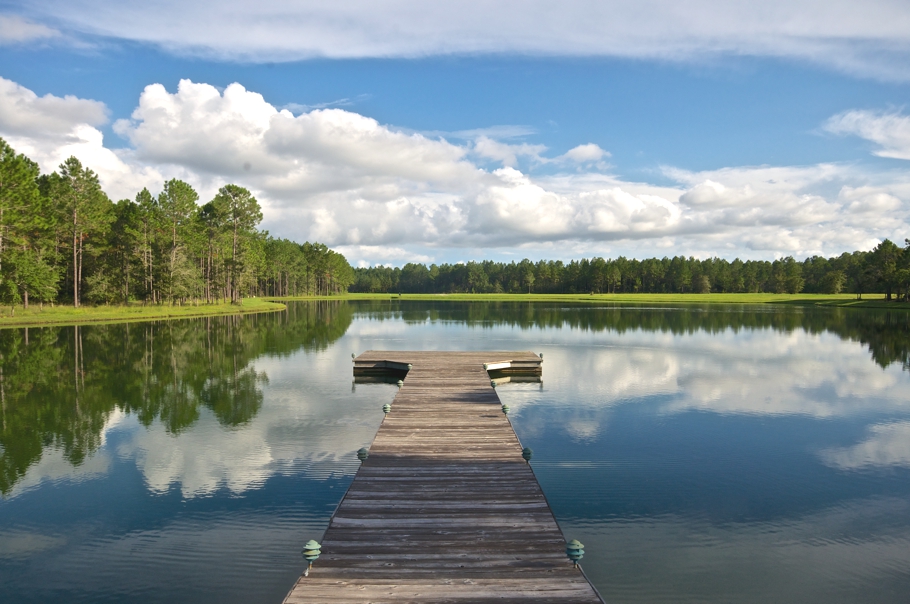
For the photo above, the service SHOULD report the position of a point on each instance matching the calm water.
(722, 454)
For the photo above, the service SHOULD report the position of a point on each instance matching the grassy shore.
(845, 300)
(36, 316)
(67, 315)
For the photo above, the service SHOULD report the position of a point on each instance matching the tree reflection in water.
(885, 333)
(59, 385)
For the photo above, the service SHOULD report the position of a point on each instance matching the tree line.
(884, 269)
(886, 333)
(62, 239)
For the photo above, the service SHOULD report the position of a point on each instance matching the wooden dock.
(444, 509)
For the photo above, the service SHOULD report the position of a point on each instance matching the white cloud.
(16, 30)
(486, 145)
(869, 201)
(799, 210)
(368, 255)
(24, 112)
(499, 132)
(49, 129)
(336, 176)
(585, 153)
(515, 208)
(889, 130)
(345, 102)
(870, 38)
(237, 134)
(507, 153)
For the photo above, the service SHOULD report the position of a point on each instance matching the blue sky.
(411, 135)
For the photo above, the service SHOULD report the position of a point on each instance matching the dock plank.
(444, 509)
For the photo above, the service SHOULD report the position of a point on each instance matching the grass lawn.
(68, 315)
(845, 300)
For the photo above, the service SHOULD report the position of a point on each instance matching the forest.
(63, 240)
(885, 269)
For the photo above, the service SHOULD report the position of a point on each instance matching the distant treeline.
(884, 269)
(886, 333)
(63, 240)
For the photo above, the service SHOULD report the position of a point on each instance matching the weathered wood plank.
(444, 509)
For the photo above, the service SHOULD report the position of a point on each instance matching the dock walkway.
(444, 509)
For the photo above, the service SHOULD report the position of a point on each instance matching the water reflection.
(63, 388)
(885, 333)
(60, 387)
(742, 454)
(886, 445)
(854, 552)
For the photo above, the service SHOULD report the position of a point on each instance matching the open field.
(845, 300)
(68, 315)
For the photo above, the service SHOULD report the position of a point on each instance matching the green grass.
(68, 315)
(332, 297)
(846, 300)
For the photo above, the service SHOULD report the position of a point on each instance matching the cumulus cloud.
(797, 210)
(508, 154)
(515, 208)
(889, 130)
(24, 112)
(869, 39)
(358, 183)
(16, 30)
(343, 178)
(335, 153)
(49, 129)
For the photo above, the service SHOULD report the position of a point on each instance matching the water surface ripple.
(702, 454)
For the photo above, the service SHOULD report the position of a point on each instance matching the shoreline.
(870, 301)
(58, 316)
(67, 315)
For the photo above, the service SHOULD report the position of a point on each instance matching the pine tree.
(240, 214)
(177, 204)
(85, 208)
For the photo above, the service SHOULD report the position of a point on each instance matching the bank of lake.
(48, 315)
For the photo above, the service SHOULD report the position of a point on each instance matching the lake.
(701, 453)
